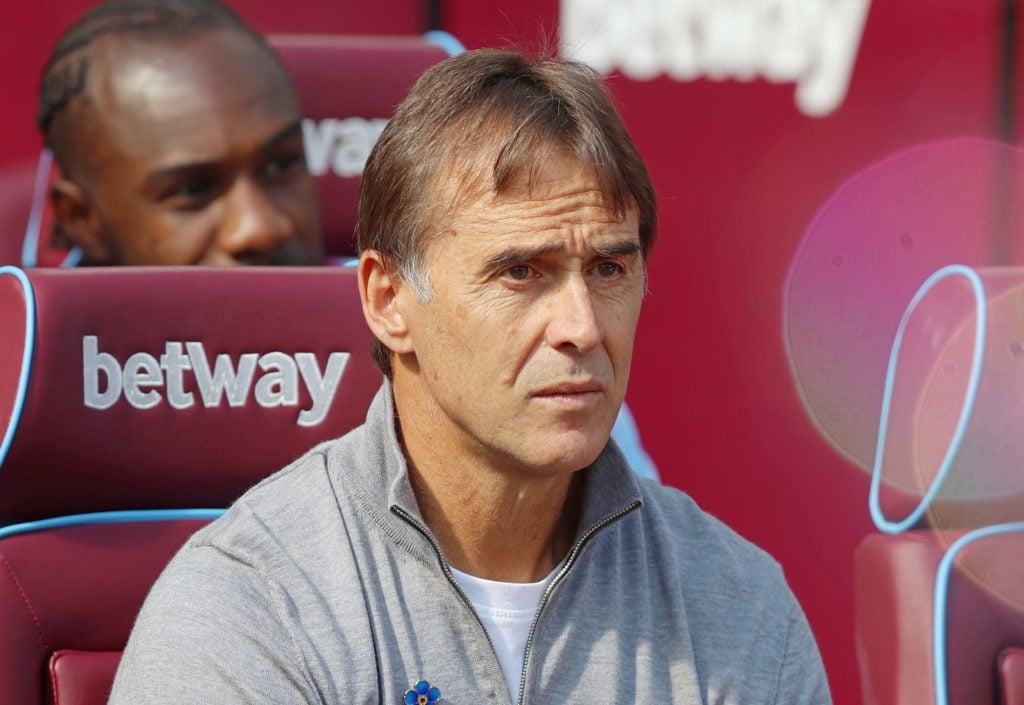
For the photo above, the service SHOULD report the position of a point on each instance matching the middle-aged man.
(178, 136)
(478, 539)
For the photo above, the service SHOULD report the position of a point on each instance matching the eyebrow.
(526, 254)
(522, 254)
(619, 249)
(178, 170)
(285, 133)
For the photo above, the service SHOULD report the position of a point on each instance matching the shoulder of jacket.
(275, 504)
(698, 540)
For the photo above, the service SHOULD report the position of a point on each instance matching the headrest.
(349, 86)
(139, 388)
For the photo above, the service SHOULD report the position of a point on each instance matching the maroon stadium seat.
(940, 593)
(980, 618)
(134, 405)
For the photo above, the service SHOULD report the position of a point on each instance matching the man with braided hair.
(178, 136)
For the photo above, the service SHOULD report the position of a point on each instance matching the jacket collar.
(379, 480)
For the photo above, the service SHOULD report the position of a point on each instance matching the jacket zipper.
(569, 561)
(573, 554)
(447, 572)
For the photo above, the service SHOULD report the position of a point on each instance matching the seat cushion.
(1011, 675)
(82, 677)
(75, 588)
(895, 601)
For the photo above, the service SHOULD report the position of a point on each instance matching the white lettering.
(94, 362)
(224, 377)
(824, 86)
(341, 145)
(356, 138)
(317, 140)
(813, 43)
(281, 386)
(142, 370)
(144, 374)
(175, 364)
(321, 389)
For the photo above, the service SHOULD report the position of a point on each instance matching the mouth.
(578, 394)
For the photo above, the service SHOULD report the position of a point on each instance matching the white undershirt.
(507, 611)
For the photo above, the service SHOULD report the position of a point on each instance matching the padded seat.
(135, 404)
(82, 677)
(1011, 676)
(75, 589)
(980, 618)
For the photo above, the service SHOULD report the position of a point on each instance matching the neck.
(492, 521)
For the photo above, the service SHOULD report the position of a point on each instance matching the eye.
(518, 272)
(283, 164)
(609, 270)
(190, 193)
(193, 188)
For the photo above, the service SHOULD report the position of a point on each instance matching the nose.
(573, 321)
(253, 230)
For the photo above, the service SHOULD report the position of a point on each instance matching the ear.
(77, 220)
(379, 292)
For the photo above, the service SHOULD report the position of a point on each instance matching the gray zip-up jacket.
(323, 584)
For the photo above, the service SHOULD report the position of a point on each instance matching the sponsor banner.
(145, 381)
(812, 43)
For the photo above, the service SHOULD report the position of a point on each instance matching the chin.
(564, 455)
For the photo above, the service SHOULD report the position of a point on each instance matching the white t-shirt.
(507, 611)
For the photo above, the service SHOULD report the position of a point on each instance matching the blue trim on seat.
(942, 597)
(118, 517)
(446, 41)
(72, 258)
(884, 524)
(30, 245)
(627, 437)
(26, 359)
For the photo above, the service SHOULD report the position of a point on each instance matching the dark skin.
(185, 152)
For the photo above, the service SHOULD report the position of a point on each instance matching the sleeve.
(802, 679)
(209, 633)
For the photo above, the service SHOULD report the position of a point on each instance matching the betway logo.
(341, 145)
(813, 43)
(143, 376)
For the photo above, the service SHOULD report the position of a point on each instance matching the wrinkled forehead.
(554, 203)
(480, 174)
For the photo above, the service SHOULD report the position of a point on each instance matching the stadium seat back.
(135, 404)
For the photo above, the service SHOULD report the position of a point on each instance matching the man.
(178, 136)
(478, 539)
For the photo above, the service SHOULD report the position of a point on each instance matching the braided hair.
(66, 72)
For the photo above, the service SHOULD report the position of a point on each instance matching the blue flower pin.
(422, 694)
